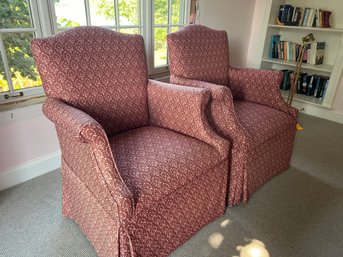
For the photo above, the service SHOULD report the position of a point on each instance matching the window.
(120, 15)
(21, 20)
(127, 16)
(18, 25)
(169, 16)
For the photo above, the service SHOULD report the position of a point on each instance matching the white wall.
(25, 134)
(28, 142)
(235, 17)
(338, 101)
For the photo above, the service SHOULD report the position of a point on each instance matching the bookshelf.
(333, 38)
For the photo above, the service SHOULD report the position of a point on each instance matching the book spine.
(305, 17)
(310, 85)
(319, 80)
(281, 11)
(301, 16)
(321, 23)
(327, 19)
(324, 89)
(310, 18)
(304, 85)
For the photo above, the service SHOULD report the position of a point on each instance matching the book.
(311, 85)
(286, 82)
(304, 84)
(302, 77)
(309, 21)
(316, 87)
(322, 94)
(327, 19)
(321, 88)
(273, 48)
(317, 53)
(305, 17)
(301, 16)
(281, 12)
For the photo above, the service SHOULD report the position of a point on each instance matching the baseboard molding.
(320, 112)
(29, 170)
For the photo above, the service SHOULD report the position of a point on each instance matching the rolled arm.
(222, 115)
(74, 121)
(259, 86)
(81, 127)
(182, 109)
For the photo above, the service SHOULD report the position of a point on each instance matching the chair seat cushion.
(262, 122)
(154, 162)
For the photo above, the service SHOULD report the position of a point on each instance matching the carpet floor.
(297, 214)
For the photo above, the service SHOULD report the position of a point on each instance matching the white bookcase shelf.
(332, 30)
(320, 67)
(305, 99)
(333, 38)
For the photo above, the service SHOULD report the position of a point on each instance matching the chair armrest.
(222, 115)
(79, 126)
(74, 121)
(259, 86)
(182, 109)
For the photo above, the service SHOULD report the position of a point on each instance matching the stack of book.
(311, 85)
(305, 17)
(289, 51)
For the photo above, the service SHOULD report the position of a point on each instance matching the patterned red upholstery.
(207, 61)
(77, 66)
(144, 155)
(246, 107)
(142, 170)
(261, 121)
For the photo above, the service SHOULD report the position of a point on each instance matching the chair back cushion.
(201, 53)
(99, 71)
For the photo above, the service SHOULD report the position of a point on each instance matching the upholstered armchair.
(142, 170)
(246, 107)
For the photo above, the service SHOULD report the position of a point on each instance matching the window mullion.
(116, 10)
(169, 14)
(33, 9)
(6, 66)
(88, 12)
(53, 16)
(147, 23)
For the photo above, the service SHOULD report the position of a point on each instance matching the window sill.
(12, 104)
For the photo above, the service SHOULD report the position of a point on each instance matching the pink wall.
(235, 17)
(25, 134)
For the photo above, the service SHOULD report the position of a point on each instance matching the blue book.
(317, 86)
(273, 46)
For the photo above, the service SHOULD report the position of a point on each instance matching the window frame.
(185, 17)
(37, 32)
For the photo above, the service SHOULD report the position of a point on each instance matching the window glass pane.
(20, 61)
(160, 46)
(161, 12)
(178, 9)
(102, 12)
(14, 14)
(3, 80)
(174, 29)
(128, 12)
(70, 13)
(130, 30)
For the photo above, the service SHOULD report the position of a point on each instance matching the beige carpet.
(297, 214)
